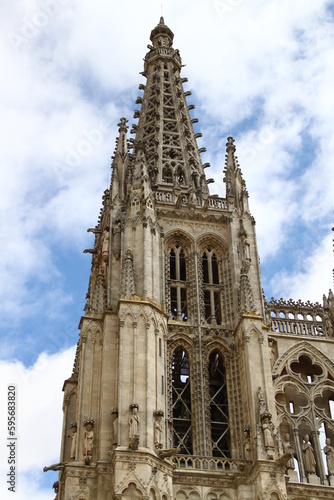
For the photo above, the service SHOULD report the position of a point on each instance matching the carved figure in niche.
(114, 413)
(262, 404)
(272, 353)
(88, 440)
(229, 189)
(267, 428)
(289, 450)
(192, 197)
(74, 440)
(194, 175)
(329, 452)
(247, 444)
(117, 240)
(309, 460)
(158, 429)
(329, 314)
(328, 325)
(134, 421)
(105, 245)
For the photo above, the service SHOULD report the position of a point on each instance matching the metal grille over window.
(182, 433)
(211, 288)
(220, 434)
(178, 285)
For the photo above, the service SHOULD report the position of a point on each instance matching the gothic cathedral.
(187, 383)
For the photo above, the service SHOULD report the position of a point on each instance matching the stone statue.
(114, 413)
(289, 450)
(158, 429)
(88, 440)
(192, 197)
(134, 421)
(267, 432)
(105, 245)
(117, 240)
(328, 325)
(309, 460)
(329, 452)
(247, 444)
(74, 440)
(262, 404)
(272, 353)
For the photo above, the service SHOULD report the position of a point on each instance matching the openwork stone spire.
(165, 127)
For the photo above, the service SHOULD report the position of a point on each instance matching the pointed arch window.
(211, 288)
(178, 284)
(180, 176)
(167, 175)
(219, 412)
(181, 402)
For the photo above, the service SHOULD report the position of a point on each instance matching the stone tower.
(187, 383)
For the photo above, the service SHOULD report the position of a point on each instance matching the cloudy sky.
(260, 70)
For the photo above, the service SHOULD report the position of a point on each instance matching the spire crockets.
(121, 162)
(236, 191)
(165, 129)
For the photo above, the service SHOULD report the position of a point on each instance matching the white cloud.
(39, 401)
(311, 279)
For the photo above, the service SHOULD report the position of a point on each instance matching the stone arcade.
(187, 383)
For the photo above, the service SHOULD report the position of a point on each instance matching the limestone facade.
(187, 383)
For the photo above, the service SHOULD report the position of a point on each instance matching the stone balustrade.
(215, 203)
(295, 327)
(208, 464)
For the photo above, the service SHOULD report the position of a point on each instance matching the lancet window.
(211, 288)
(219, 412)
(180, 176)
(167, 175)
(178, 284)
(181, 402)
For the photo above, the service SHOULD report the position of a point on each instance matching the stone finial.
(123, 125)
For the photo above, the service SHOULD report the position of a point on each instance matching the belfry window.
(180, 176)
(211, 288)
(167, 175)
(220, 434)
(178, 284)
(181, 401)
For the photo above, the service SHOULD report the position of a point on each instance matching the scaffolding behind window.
(181, 396)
